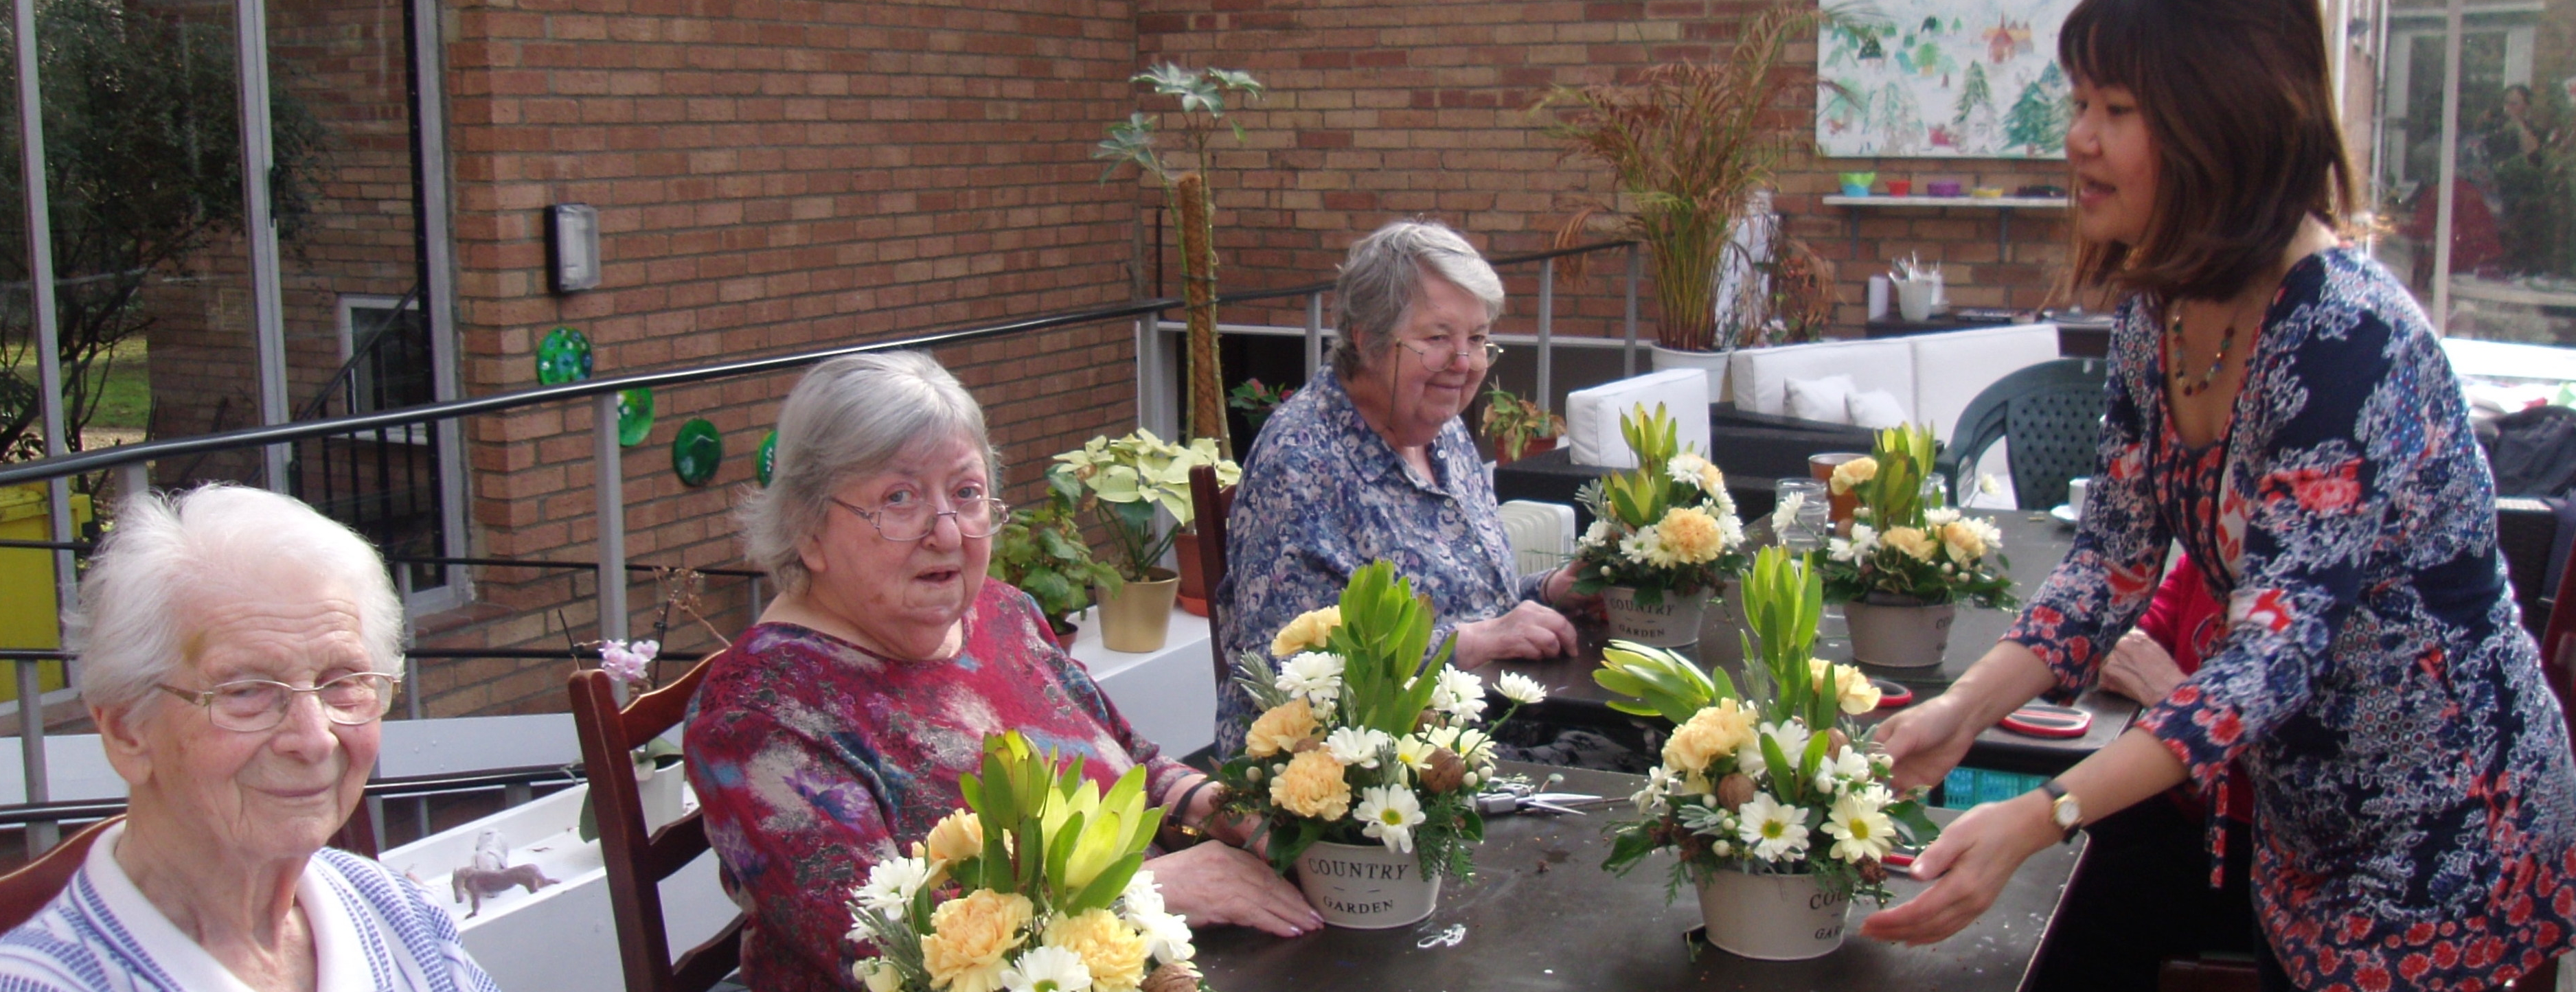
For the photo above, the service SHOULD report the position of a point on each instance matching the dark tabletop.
(1541, 914)
(2034, 544)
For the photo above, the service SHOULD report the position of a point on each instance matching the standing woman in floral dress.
(2280, 406)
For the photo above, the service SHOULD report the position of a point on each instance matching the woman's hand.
(1528, 631)
(2140, 669)
(1975, 856)
(1926, 740)
(1217, 885)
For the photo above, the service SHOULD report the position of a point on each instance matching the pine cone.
(1176, 976)
(1872, 873)
(1444, 770)
(1735, 790)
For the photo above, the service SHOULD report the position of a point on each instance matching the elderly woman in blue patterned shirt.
(1371, 461)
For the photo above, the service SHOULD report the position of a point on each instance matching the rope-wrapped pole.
(1198, 289)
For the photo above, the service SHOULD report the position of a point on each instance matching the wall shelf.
(2005, 205)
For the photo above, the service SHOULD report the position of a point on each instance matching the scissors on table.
(1511, 798)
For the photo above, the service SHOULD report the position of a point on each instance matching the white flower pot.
(1711, 362)
(660, 789)
(1772, 917)
(1897, 633)
(1674, 624)
(1366, 887)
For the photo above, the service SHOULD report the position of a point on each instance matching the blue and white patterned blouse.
(373, 931)
(2415, 802)
(1322, 496)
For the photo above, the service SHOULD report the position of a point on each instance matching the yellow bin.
(27, 604)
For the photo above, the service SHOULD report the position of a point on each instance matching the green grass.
(126, 398)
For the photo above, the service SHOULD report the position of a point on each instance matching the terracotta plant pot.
(1137, 618)
(1674, 624)
(1365, 887)
(1772, 917)
(1898, 632)
(1185, 548)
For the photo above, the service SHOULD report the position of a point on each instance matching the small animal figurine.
(492, 873)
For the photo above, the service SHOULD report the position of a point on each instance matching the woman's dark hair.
(2241, 112)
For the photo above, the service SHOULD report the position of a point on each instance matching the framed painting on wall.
(1943, 79)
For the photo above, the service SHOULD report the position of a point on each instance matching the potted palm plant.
(1687, 146)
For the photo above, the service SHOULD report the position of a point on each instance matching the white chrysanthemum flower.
(1986, 484)
(1047, 968)
(1687, 468)
(1852, 765)
(1600, 534)
(1466, 742)
(1357, 747)
(1791, 735)
(1861, 832)
(1784, 514)
(1314, 675)
(1775, 830)
(892, 883)
(1659, 783)
(1939, 518)
(1143, 897)
(1987, 533)
(1520, 688)
(1459, 693)
(1413, 752)
(1643, 546)
(1167, 936)
(1391, 813)
(1721, 503)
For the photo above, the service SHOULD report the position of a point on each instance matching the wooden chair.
(24, 893)
(1209, 505)
(636, 863)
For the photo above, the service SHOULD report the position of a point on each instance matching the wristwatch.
(2063, 810)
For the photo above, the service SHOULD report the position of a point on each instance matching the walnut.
(1304, 744)
(1175, 976)
(1444, 770)
(1872, 873)
(1426, 720)
(1735, 790)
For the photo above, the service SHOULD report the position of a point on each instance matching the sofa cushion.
(1592, 415)
(1951, 369)
(1875, 409)
(1760, 376)
(1827, 398)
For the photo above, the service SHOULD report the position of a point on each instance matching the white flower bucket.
(1899, 634)
(1366, 887)
(660, 789)
(1674, 624)
(1710, 363)
(1772, 917)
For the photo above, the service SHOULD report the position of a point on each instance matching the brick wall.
(770, 175)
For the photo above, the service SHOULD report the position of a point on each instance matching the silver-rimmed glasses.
(254, 705)
(1438, 353)
(977, 517)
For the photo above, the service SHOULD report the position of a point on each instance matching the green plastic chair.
(2052, 414)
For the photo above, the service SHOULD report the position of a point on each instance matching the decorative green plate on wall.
(563, 356)
(634, 416)
(765, 460)
(696, 452)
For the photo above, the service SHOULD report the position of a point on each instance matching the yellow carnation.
(957, 837)
(1280, 729)
(1113, 951)
(1714, 732)
(1311, 631)
(1853, 473)
(1691, 536)
(1965, 544)
(1853, 690)
(1911, 540)
(1312, 787)
(972, 933)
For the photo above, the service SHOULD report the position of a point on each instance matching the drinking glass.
(1805, 530)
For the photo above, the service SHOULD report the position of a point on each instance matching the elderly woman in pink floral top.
(833, 733)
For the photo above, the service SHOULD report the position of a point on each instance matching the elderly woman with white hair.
(237, 650)
(1371, 461)
(833, 732)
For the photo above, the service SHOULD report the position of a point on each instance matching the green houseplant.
(1124, 482)
(1042, 552)
(1201, 94)
(1512, 423)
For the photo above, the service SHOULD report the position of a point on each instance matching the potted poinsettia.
(1038, 884)
(1909, 559)
(1125, 482)
(1361, 771)
(1771, 799)
(1664, 536)
(1517, 427)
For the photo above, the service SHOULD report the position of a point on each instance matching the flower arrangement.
(1667, 525)
(1778, 780)
(1129, 478)
(1903, 541)
(1038, 886)
(1352, 746)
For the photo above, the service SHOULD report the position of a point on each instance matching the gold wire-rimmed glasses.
(1438, 353)
(253, 705)
(976, 517)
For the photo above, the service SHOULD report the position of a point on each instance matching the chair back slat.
(1209, 503)
(24, 893)
(636, 862)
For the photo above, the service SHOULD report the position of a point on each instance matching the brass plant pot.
(1139, 616)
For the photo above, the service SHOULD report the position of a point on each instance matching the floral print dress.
(2414, 798)
(1323, 496)
(814, 759)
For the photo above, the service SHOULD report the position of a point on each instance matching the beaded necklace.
(2174, 355)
